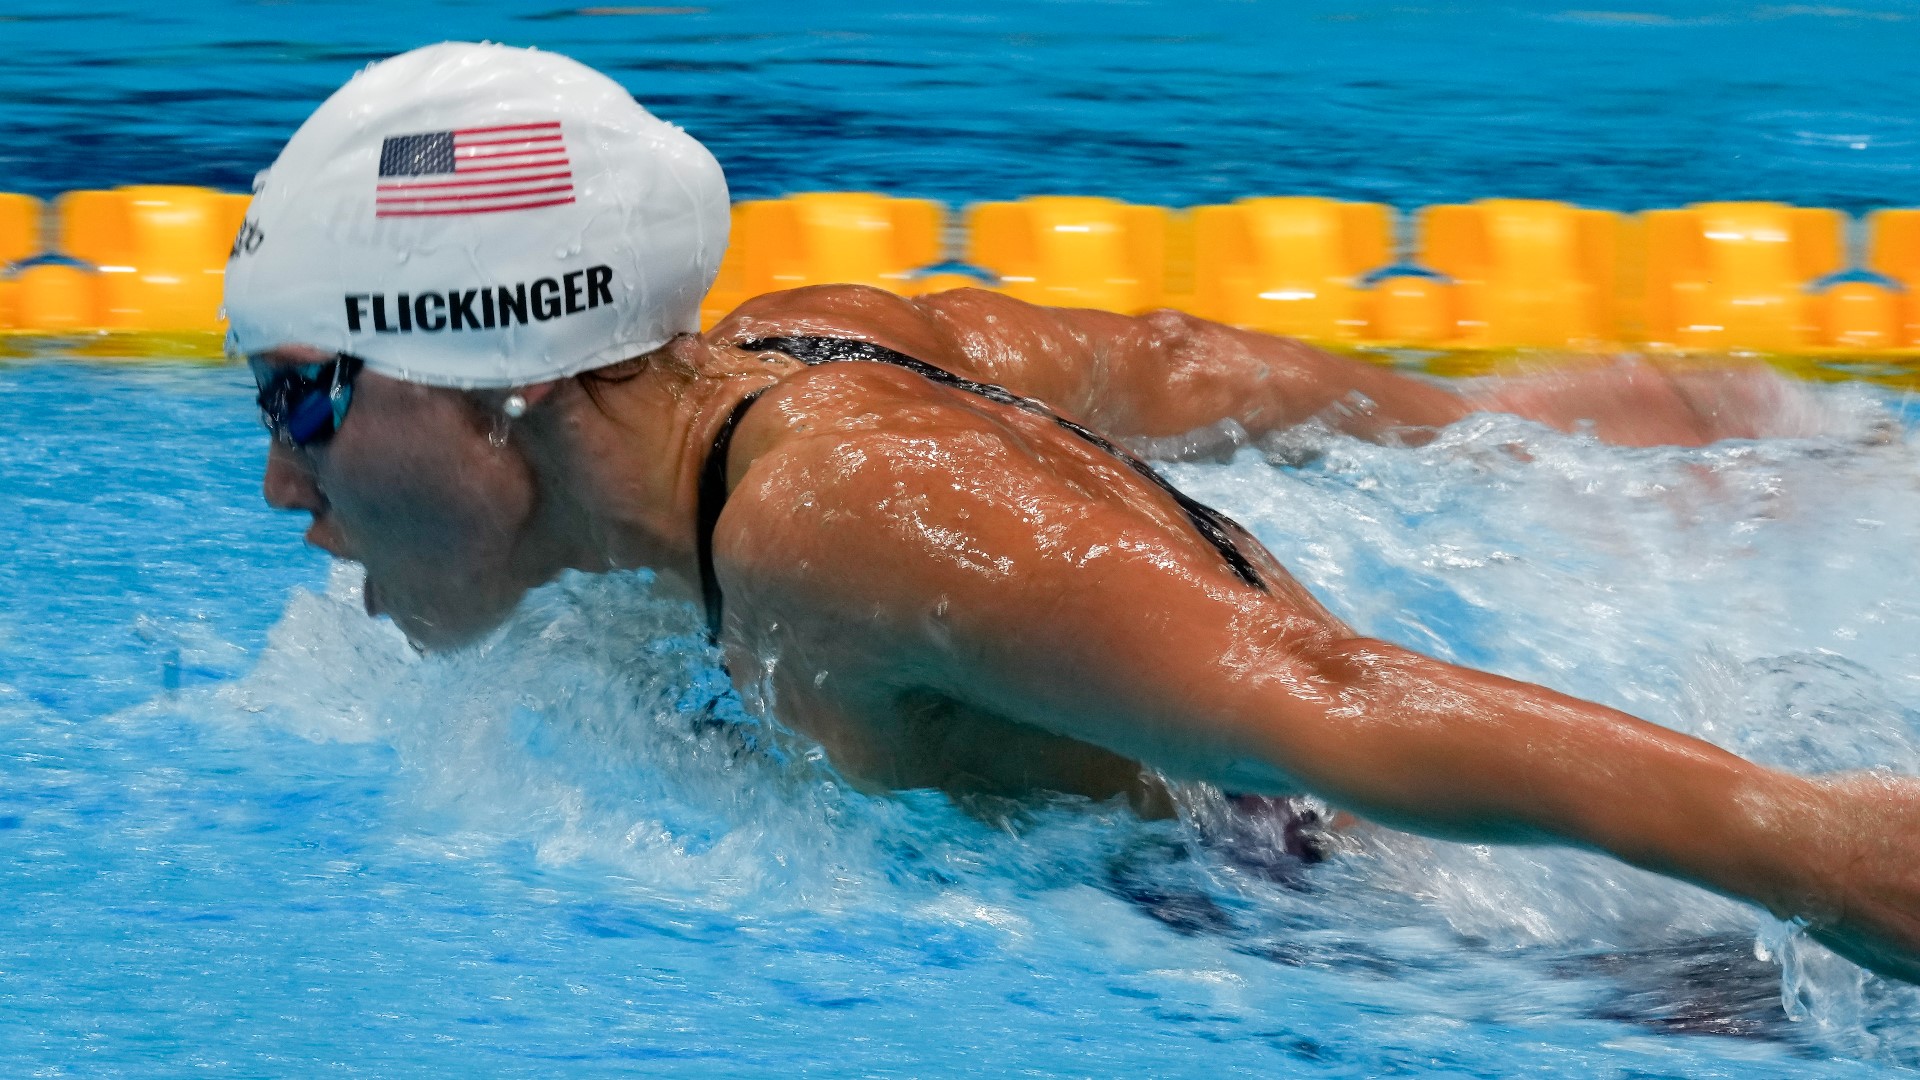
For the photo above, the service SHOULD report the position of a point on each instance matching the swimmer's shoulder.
(827, 472)
(856, 312)
(846, 310)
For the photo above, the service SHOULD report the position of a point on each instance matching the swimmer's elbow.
(1398, 737)
(1316, 710)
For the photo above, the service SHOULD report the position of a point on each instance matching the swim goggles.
(304, 404)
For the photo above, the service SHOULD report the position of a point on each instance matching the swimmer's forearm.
(1433, 748)
(1637, 403)
(1167, 374)
(1292, 382)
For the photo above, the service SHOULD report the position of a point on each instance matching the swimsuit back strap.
(713, 499)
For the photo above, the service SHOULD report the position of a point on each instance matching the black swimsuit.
(1216, 528)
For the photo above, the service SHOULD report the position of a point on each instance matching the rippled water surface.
(244, 831)
(1398, 100)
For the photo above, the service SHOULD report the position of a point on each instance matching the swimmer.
(472, 310)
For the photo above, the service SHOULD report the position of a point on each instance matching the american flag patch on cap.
(481, 170)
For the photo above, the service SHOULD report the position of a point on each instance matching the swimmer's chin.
(435, 635)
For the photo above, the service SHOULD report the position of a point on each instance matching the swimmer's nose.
(289, 483)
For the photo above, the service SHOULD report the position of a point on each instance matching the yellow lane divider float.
(137, 270)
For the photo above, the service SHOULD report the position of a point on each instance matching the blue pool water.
(244, 831)
(1407, 101)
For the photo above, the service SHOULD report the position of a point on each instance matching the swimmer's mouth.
(321, 534)
(370, 598)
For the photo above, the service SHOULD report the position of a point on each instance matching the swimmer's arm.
(1433, 748)
(1157, 375)
(958, 564)
(1214, 691)
(1086, 623)
(1438, 749)
(1168, 373)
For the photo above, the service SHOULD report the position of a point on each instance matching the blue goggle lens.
(304, 404)
(310, 419)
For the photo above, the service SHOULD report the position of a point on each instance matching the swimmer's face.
(411, 488)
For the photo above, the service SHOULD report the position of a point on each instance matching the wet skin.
(949, 592)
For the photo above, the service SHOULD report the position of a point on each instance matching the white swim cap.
(477, 215)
